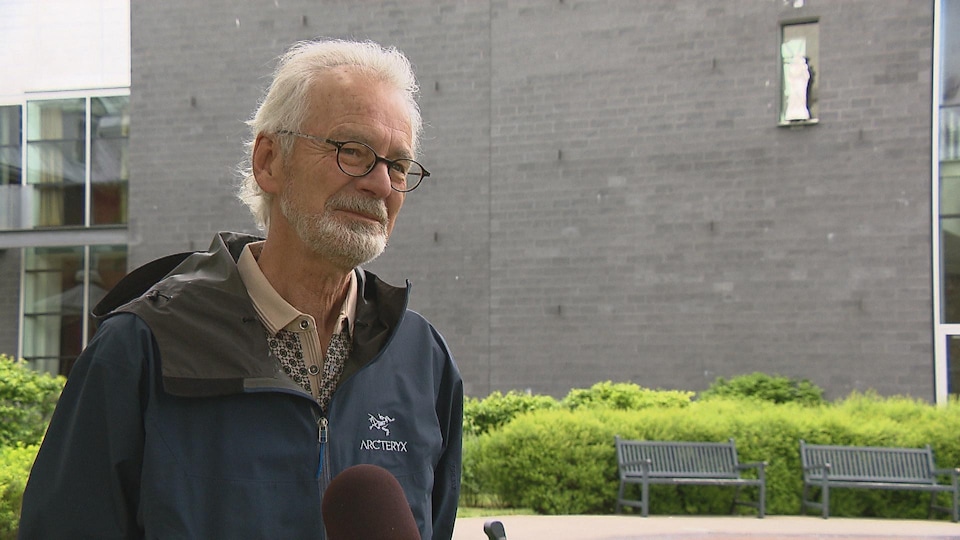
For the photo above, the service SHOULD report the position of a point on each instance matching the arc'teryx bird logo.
(381, 422)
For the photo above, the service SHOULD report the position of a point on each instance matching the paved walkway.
(701, 527)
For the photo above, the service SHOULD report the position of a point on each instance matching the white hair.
(285, 104)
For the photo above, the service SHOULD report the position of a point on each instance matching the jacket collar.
(210, 339)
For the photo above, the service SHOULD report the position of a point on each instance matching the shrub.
(481, 416)
(562, 461)
(27, 400)
(772, 388)
(15, 463)
(625, 396)
(553, 461)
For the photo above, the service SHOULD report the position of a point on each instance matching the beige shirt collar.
(275, 312)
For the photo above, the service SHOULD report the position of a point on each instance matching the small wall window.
(799, 61)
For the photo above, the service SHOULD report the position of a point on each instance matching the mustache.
(372, 208)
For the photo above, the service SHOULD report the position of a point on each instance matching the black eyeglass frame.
(377, 158)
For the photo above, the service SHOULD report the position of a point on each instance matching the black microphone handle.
(494, 530)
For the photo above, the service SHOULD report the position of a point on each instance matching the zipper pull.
(322, 430)
(322, 434)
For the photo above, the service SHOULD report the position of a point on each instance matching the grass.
(471, 512)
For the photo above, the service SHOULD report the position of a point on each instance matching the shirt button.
(314, 369)
(304, 324)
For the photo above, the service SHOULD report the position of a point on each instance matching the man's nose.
(377, 181)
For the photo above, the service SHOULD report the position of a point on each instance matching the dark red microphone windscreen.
(365, 502)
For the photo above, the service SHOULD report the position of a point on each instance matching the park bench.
(872, 467)
(684, 463)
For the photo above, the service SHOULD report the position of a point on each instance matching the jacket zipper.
(322, 435)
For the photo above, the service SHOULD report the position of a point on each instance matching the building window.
(11, 129)
(953, 353)
(799, 62)
(75, 172)
(63, 167)
(60, 287)
(109, 171)
(57, 161)
(946, 201)
(950, 240)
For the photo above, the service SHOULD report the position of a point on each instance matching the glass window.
(11, 126)
(948, 191)
(110, 119)
(953, 351)
(950, 81)
(950, 162)
(950, 240)
(10, 130)
(76, 172)
(56, 161)
(949, 54)
(799, 55)
(950, 133)
(60, 289)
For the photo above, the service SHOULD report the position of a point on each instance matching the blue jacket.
(176, 421)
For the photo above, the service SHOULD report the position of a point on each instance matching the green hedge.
(27, 400)
(561, 461)
(15, 463)
(483, 415)
(492, 412)
(624, 396)
(772, 388)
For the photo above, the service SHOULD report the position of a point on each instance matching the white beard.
(346, 243)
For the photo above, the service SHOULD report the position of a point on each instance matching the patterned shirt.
(292, 335)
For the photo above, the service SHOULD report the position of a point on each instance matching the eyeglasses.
(357, 159)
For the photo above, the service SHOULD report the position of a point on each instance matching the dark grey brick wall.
(612, 198)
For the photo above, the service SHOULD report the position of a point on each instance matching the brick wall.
(611, 196)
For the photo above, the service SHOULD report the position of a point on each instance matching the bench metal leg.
(763, 497)
(956, 506)
(760, 504)
(620, 496)
(736, 500)
(825, 501)
(808, 499)
(645, 501)
(805, 499)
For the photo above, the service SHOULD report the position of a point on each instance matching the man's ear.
(267, 163)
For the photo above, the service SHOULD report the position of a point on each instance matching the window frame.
(90, 258)
(10, 196)
(28, 223)
(944, 333)
(813, 70)
(90, 236)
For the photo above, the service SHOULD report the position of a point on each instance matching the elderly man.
(225, 389)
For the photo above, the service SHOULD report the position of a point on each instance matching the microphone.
(365, 502)
(494, 530)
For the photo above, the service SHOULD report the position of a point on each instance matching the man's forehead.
(350, 102)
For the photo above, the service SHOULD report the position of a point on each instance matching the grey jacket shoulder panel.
(208, 331)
